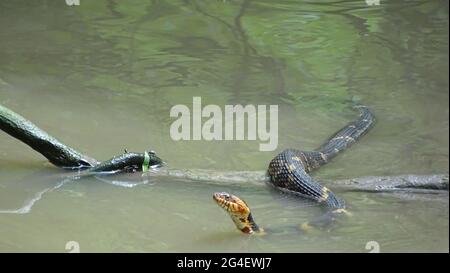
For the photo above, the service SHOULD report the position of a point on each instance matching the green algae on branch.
(56, 152)
(128, 162)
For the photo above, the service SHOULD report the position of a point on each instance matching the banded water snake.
(290, 172)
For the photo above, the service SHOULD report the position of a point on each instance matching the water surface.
(103, 76)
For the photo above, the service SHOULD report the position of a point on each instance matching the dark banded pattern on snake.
(289, 170)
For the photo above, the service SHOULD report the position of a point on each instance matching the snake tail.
(348, 135)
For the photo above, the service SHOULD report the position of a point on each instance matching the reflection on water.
(103, 76)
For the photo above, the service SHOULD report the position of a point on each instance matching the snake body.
(290, 171)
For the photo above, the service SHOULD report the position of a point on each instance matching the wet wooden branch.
(56, 152)
(397, 183)
(64, 156)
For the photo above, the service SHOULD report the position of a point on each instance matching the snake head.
(231, 203)
(238, 211)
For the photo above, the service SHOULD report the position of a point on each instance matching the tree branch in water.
(64, 156)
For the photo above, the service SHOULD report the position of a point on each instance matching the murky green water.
(103, 76)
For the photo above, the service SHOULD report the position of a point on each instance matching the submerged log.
(56, 152)
(64, 156)
(397, 183)
(411, 183)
